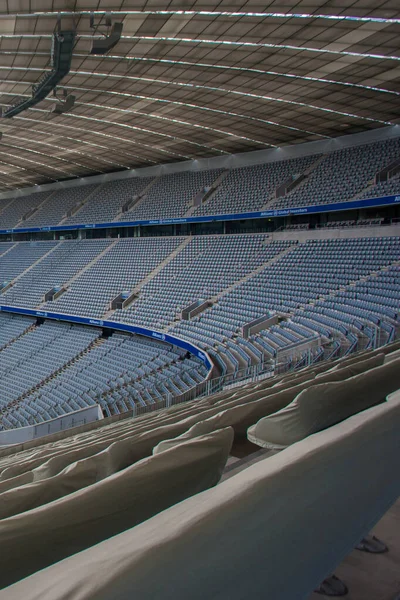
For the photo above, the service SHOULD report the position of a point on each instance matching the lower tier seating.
(234, 539)
(315, 297)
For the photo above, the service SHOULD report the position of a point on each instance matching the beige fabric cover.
(83, 473)
(201, 428)
(320, 367)
(340, 372)
(49, 459)
(392, 356)
(79, 474)
(38, 538)
(147, 433)
(16, 481)
(347, 361)
(249, 537)
(323, 405)
(74, 476)
(294, 379)
(247, 407)
(394, 397)
(391, 347)
(90, 465)
(58, 458)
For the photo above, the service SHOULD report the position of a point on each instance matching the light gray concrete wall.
(74, 419)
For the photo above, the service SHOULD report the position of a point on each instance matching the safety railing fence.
(267, 369)
(230, 381)
(334, 348)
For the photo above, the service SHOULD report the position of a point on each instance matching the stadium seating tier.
(337, 176)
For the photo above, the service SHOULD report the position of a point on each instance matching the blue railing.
(150, 333)
(304, 210)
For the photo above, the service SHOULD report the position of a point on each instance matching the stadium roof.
(193, 79)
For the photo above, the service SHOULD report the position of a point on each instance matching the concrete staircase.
(389, 171)
(191, 210)
(30, 328)
(253, 273)
(162, 264)
(239, 358)
(75, 209)
(234, 285)
(301, 182)
(210, 194)
(85, 268)
(362, 338)
(25, 221)
(370, 185)
(7, 251)
(35, 264)
(141, 199)
(91, 263)
(11, 200)
(395, 263)
(155, 271)
(250, 353)
(353, 283)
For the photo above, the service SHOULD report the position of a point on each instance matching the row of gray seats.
(339, 176)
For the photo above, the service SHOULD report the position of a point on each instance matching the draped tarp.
(35, 539)
(392, 356)
(258, 401)
(47, 462)
(16, 453)
(324, 404)
(344, 371)
(275, 530)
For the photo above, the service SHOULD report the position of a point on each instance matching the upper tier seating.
(250, 188)
(106, 202)
(338, 176)
(342, 175)
(58, 205)
(386, 188)
(171, 195)
(14, 212)
(219, 541)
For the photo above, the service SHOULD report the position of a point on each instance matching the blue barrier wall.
(304, 210)
(151, 333)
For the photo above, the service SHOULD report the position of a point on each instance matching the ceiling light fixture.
(106, 43)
